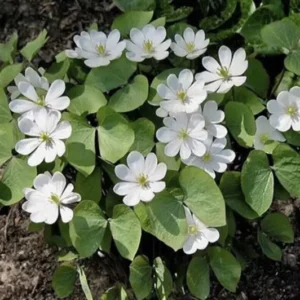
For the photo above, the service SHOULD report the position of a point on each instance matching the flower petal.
(28, 91)
(211, 234)
(125, 188)
(62, 131)
(225, 56)
(146, 195)
(37, 156)
(66, 214)
(185, 78)
(136, 162)
(132, 199)
(210, 64)
(26, 146)
(157, 186)
(189, 35)
(190, 245)
(159, 173)
(124, 173)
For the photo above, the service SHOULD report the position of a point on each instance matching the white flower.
(213, 117)
(222, 77)
(50, 196)
(141, 179)
(184, 134)
(265, 133)
(215, 158)
(46, 133)
(191, 45)
(199, 235)
(32, 77)
(35, 99)
(147, 43)
(96, 48)
(181, 94)
(285, 110)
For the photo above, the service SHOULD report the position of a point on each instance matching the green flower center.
(264, 138)
(143, 180)
(148, 46)
(101, 49)
(206, 157)
(182, 96)
(41, 101)
(183, 134)
(192, 229)
(54, 198)
(292, 111)
(190, 46)
(45, 137)
(224, 72)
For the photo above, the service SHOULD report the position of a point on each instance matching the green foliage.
(84, 284)
(134, 4)
(270, 249)
(205, 200)
(58, 70)
(7, 50)
(8, 73)
(197, 277)
(64, 279)
(163, 279)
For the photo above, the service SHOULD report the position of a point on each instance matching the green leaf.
(58, 70)
(246, 96)
(89, 187)
(126, 5)
(87, 228)
(143, 136)
(240, 122)
(116, 292)
(153, 97)
(292, 137)
(112, 76)
(257, 78)
(283, 34)
(131, 19)
(85, 100)
(84, 284)
(287, 168)
(173, 163)
(205, 200)
(7, 50)
(140, 277)
(164, 218)
(81, 145)
(32, 48)
(226, 268)
(258, 182)
(163, 279)
(126, 231)
(131, 96)
(5, 115)
(8, 74)
(63, 280)
(159, 22)
(292, 62)
(113, 131)
(16, 177)
(269, 249)
(278, 226)
(197, 277)
(7, 142)
(230, 186)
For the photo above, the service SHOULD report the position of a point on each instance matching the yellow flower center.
(292, 111)
(206, 157)
(41, 101)
(101, 49)
(183, 134)
(143, 180)
(55, 199)
(148, 46)
(264, 138)
(182, 96)
(224, 72)
(190, 46)
(192, 229)
(45, 137)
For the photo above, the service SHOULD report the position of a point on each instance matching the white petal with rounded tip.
(185, 78)
(201, 241)
(133, 198)
(60, 103)
(210, 64)
(50, 152)
(161, 55)
(98, 37)
(97, 62)
(190, 246)
(62, 131)
(37, 156)
(226, 156)
(211, 112)
(87, 45)
(195, 54)
(149, 32)
(173, 83)
(165, 135)
(281, 122)
(160, 112)
(225, 56)
(185, 151)
(277, 136)
(26, 146)
(68, 191)
(33, 77)
(165, 92)
(225, 87)
(189, 35)
(72, 198)
(296, 125)
(239, 80)
(150, 163)
(137, 36)
(28, 127)
(211, 234)
(135, 57)
(216, 130)
(28, 91)
(188, 216)
(295, 91)
(239, 64)
(53, 118)
(178, 50)
(51, 214)
(113, 39)
(173, 147)
(136, 162)
(157, 186)
(133, 47)
(159, 173)
(124, 188)
(117, 51)
(66, 214)
(42, 183)
(60, 147)
(213, 87)
(124, 173)
(198, 148)
(159, 36)
(274, 107)
(72, 53)
(58, 182)
(207, 76)
(38, 217)
(41, 117)
(146, 195)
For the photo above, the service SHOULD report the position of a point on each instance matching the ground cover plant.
(151, 141)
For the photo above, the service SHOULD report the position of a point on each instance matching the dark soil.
(26, 262)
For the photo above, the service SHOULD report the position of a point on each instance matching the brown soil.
(26, 262)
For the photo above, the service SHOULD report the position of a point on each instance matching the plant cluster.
(138, 143)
